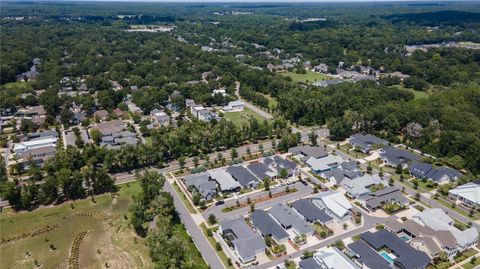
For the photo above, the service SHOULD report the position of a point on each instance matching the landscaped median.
(213, 243)
(258, 200)
(184, 198)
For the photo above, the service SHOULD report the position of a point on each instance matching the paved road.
(199, 239)
(302, 191)
(250, 106)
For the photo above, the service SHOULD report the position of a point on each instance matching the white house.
(22, 147)
(334, 204)
(234, 106)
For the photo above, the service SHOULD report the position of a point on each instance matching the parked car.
(221, 202)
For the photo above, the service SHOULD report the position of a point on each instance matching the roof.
(110, 127)
(242, 175)
(224, 179)
(326, 163)
(407, 256)
(420, 169)
(359, 186)
(315, 152)
(310, 211)
(202, 183)
(247, 242)
(335, 202)
(375, 199)
(260, 170)
(367, 256)
(333, 258)
(436, 219)
(398, 156)
(437, 174)
(267, 226)
(336, 173)
(366, 142)
(287, 217)
(309, 263)
(469, 191)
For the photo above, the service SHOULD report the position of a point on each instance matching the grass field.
(310, 76)
(418, 94)
(18, 85)
(239, 118)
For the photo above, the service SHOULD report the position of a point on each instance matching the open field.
(418, 94)
(310, 76)
(109, 239)
(18, 85)
(239, 118)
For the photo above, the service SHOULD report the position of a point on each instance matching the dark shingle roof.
(398, 156)
(267, 226)
(419, 169)
(309, 263)
(407, 256)
(242, 175)
(366, 141)
(310, 211)
(315, 152)
(260, 170)
(368, 256)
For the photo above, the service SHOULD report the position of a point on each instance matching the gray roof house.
(310, 212)
(309, 263)
(309, 151)
(246, 242)
(441, 175)
(361, 185)
(366, 142)
(289, 219)
(243, 176)
(394, 157)
(376, 200)
(366, 257)
(267, 226)
(403, 255)
(224, 180)
(277, 163)
(203, 184)
(334, 204)
(260, 170)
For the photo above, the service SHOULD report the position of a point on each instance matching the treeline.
(153, 215)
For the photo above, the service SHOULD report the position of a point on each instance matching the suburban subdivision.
(194, 135)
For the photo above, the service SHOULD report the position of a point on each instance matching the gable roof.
(365, 142)
(375, 199)
(224, 179)
(326, 163)
(368, 256)
(315, 152)
(260, 170)
(359, 186)
(332, 257)
(420, 169)
(335, 202)
(407, 256)
(267, 226)
(439, 173)
(309, 263)
(242, 175)
(287, 217)
(310, 211)
(247, 242)
(469, 191)
(397, 156)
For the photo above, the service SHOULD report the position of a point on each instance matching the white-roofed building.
(361, 185)
(234, 106)
(224, 180)
(324, 164)
(333, 258)
(468, 194)
(25, 146)
(334, 204)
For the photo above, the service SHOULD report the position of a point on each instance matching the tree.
(212, 219)
(399, 169)
(196, 198)
(252, 207)
(195, 161)
(312, 137)
(181, 162)
(283, 173)
(234, 153)
(266, 183)
(96, 136)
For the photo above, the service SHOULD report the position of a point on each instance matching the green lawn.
(18, 85)
(185, 201)
(212, 242)
(310, 76)
(418, 94)
(272, 103)
(240, 118)
(110, 233)
(470, 265)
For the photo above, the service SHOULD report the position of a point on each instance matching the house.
(366, 257)
(437, 220)
(277, 164)
(310, 212)
(468, 194)
(261, 171)
(361, 185)
(38, 155)
(267, 226)
(324, 164)
(290, 220)
(395, 157)
(226, 182)
(424, 238)
(234, 106)
(366, 143)
(334, 204)
(35, 111)
(202, 184)
(203, 114)
(114, 134)
(302, 153)
(25, 146)
(246, 243)
(328, 258)
(101, 114)
(108, 128)
(440, 175)
(376, 200)
(346, 170)
(243, 176)
(394, 250)
(159, 117)
(323, 68)
(39, 135)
